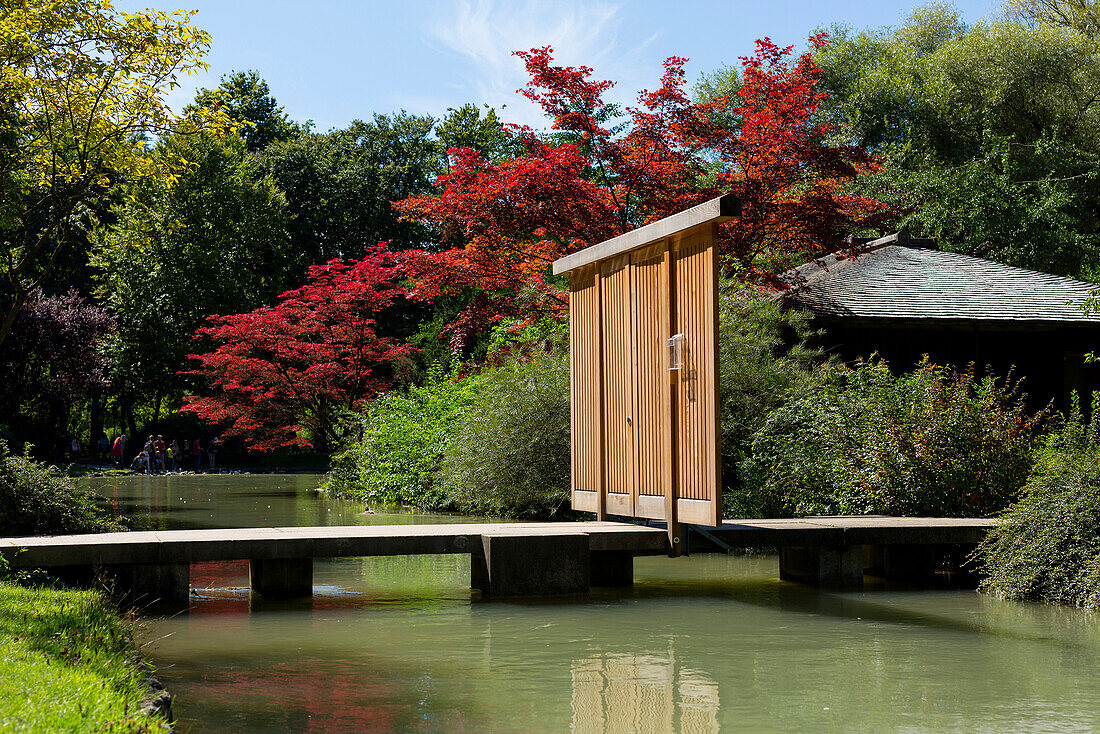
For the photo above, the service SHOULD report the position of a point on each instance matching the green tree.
(339, 184)
(464, 127)
(990, 134)
(81, 85)
(214, 241)
(247, 100)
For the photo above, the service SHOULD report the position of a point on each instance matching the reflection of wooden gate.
(644, 327)
(619, 692)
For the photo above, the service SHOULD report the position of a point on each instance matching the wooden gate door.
(644, 372)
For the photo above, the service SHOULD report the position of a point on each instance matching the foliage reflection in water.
(700, 644)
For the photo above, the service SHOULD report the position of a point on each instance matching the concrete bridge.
(507, 559)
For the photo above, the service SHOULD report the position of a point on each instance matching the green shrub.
(1047, 547)
(401, 443)
(36, 499)
(510, 453)
(930, 442)
(763, 361)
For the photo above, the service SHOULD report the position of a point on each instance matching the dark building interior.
(903, 299)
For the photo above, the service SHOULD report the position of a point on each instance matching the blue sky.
(334, 61)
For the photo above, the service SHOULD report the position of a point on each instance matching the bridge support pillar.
(148, 584)
(281, 578)
(611, 568)
(932, 564)
(514, 565)
(833, 566)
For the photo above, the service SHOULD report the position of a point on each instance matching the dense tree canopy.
(281, 373)
(81, 85)
(246, 99)
(605, 171)
(990, 133)
(985, 136)
(215, 240)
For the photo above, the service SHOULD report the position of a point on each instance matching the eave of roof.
(902, 282)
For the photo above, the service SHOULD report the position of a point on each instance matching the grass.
(68, 664)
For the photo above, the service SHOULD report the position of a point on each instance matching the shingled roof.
(902, 281)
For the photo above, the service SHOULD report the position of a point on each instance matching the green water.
(700, 644)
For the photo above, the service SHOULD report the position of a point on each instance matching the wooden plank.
(697, 432)
(668, 399)
(618, 379)
(715, 421)
(601, 488)
(650, 370)
(584, 388)
(719, 209)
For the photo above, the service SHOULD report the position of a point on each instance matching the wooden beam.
(668, 398)
(716, 210)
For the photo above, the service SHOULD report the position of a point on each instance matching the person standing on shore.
(116, 451)
(158, 453)
(150, 453)
(211, 450)
(196, 451)
(172, 455)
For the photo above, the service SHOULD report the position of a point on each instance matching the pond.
(699, 644)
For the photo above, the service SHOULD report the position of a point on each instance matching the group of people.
(160, 457)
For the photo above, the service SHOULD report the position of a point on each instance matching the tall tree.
(464, 127)
(990, 133)
(280, 374)
(339, 184)
(81, 85)
(214, 240)
(53, 361)
(603, 172)
(246, 99)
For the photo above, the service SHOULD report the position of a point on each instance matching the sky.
(334, 61)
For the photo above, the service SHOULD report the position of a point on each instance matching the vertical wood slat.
(601, 471)
(618, 384)
(584, 388)
(650, 369)
(668, 397)
(714, 420)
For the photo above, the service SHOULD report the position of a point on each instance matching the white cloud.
(486, 32)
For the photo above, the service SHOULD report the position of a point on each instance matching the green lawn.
(68, 664)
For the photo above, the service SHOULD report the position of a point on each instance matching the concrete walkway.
(509, 559)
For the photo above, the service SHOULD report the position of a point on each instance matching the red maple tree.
(602, 173)
(279, 374)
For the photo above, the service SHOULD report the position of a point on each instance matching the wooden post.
(601, 495)
(716, 439)
(668, 320)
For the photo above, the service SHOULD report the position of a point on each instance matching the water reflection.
(698, 645)
(642, 693)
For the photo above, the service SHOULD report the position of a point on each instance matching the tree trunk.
(128, 419)
(95, 417)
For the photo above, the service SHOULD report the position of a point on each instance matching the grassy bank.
(68, 664)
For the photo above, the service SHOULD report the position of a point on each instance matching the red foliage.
(608, 173)
(285, 369)
(790, 182)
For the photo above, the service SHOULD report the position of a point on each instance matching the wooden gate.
(644, 371)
